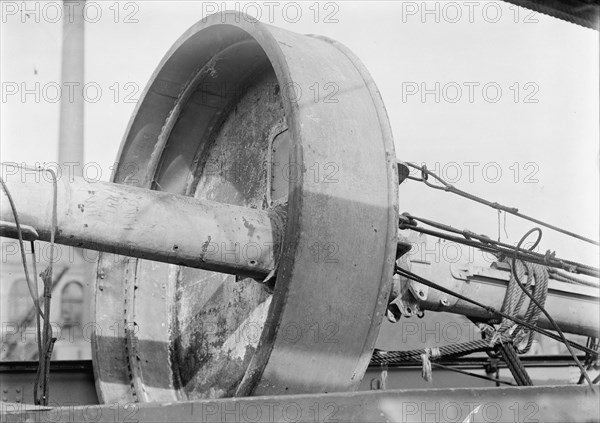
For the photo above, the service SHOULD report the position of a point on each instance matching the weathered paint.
(136, 222)
(202, 129)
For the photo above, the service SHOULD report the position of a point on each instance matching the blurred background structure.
(75, 267)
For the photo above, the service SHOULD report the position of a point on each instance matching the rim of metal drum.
(354, 133)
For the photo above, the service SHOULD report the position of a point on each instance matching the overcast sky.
(540, 131)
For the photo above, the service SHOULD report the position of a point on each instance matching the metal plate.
(203, 128)
(575, 403)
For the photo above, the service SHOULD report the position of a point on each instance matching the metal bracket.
(275, 152)
(402, 301)
(403, 171)
(460, 271)
(419, 290)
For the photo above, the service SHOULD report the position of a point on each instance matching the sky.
(501, 101)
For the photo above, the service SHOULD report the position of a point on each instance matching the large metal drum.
(248, 114)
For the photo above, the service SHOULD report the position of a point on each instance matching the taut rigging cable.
(512, 210)
(485, 243)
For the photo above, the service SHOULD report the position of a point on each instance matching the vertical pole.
(70, 142)
(71, 139)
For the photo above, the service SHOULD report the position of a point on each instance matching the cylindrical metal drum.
(252, 115)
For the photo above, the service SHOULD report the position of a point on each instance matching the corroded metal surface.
(203, 129)
(219, 318)
(146, 224)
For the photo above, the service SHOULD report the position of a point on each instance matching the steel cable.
(32, 289)
(485, 243)
(512, 210)
(491, 310)
(543, 310)
(45, 340)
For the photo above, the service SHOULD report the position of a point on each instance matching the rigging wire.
(512, 210)
(38, 327)
(48, 339)
(485, 243)
(45, 340)
(564, 277)
(491, 310)
(541, 307)
(22, 248)
(589, 360)
(513, 300)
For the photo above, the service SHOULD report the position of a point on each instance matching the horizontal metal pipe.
(575, 308)
(137, 222)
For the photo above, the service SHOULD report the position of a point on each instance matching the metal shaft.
(573, 307)
(141, 223)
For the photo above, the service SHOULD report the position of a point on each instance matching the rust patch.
(205, 247)
(251, 228)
